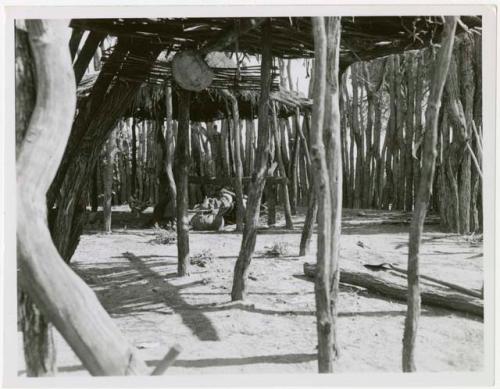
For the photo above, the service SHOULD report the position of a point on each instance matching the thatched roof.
(208, 105)
(211, 104)
(227, 75)
(362, 38)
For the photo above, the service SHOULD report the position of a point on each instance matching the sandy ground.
(274, 331)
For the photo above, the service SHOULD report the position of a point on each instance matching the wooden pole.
(38, 340)
(322, 189)
(133, 180)
(307, 231)
(167, 360)
(333, 151)
(312, 200)
(425, 184)
(249, 146)
(108, 180)
(238, 165)
(89, 48)
(170, 150)
(260, 170)
(282, 169)
(59, 293)
(181, 180)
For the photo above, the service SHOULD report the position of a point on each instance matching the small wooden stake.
(167, 360)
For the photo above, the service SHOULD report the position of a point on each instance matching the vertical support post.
(282, 169)
(333, 150)
(133, 180)
(108, 181)
(260, 170)
(424, 189)
(238, 165)
(181, 178)
(170, 149)
(307, 231)
(322, 190)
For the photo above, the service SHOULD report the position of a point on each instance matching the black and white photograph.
(238, 192)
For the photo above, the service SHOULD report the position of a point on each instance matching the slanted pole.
(57, 290)
(424, 190)
(322, 190)
(260, 170)
(87, 53)
(312, 201)
(181, 180)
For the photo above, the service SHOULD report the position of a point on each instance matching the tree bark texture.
(425, 184)
(238, 165)
(260, 170)
(108, 180)
(182, 159)
(282, 169)
(321, 180)
(38, 342)
(332, 141)
(95, 119)
(60, 294)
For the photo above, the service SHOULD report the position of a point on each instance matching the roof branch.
(229, 36)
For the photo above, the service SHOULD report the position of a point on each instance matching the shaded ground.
(274, 331)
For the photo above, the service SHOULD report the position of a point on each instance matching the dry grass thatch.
(207, 105)
(363, 38)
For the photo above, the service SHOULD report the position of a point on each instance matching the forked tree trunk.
(322, 189)
(181, 176)
(38, 343)
(59, 293)
(260, 171)
(425, 184)
(331, 136)
(108, 180)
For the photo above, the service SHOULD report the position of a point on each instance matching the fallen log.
(458, 288)
(437, 297)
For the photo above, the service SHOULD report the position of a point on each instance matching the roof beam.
(230, 35)
(74, 42)
(86, 54)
